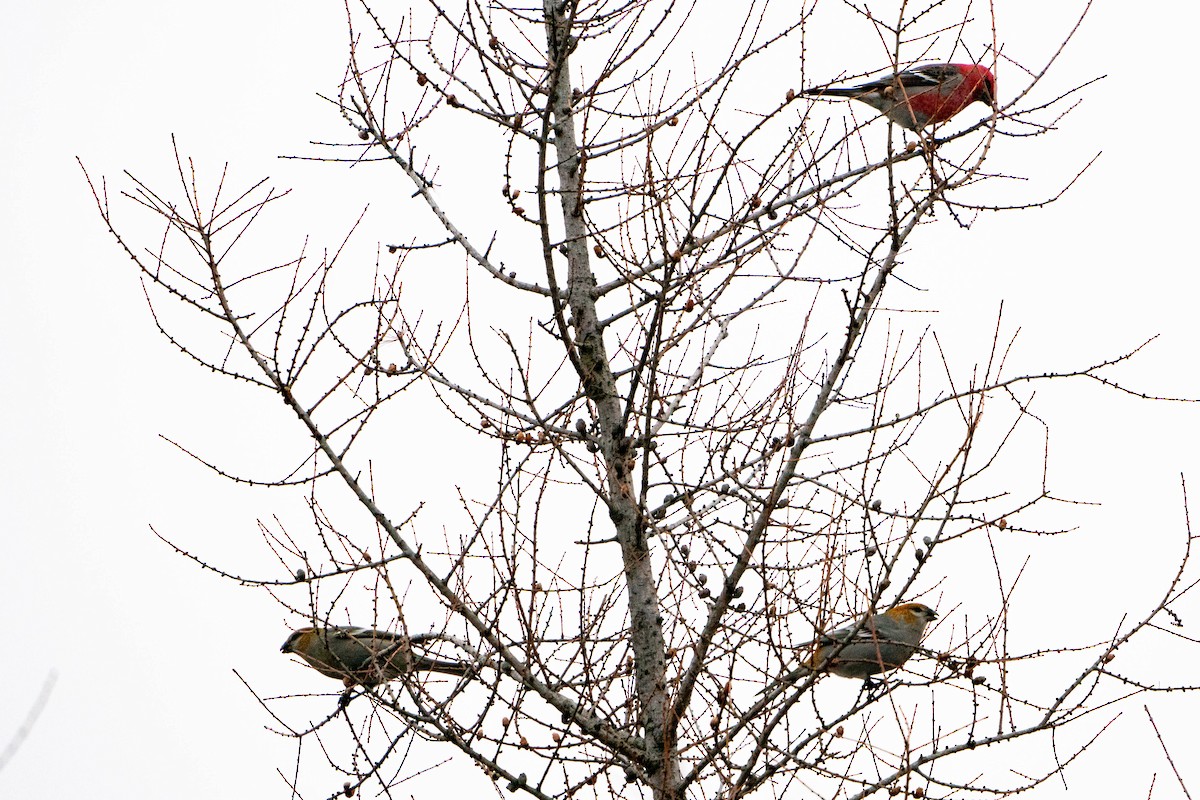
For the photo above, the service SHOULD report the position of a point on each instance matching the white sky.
(144, 644)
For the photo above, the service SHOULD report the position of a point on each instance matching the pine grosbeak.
(882, 642)
(363, 655)
(922, 96)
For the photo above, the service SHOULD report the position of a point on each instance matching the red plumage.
(922, 96)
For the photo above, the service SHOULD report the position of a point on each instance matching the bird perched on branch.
(922, 96)
(364, 655)
(882, 642)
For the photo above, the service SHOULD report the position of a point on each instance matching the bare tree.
(669, 339)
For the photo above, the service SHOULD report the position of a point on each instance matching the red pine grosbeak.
(883, 642)
(921, 96)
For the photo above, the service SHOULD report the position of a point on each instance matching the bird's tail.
(834, 91)
(426, 664)
(801, 671)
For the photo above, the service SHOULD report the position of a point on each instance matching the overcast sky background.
(144, 644)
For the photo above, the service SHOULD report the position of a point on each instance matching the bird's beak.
(987, 96)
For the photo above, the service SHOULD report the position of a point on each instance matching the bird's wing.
(869, 631)
(930, 76)
(378, 643)
(356, 632)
